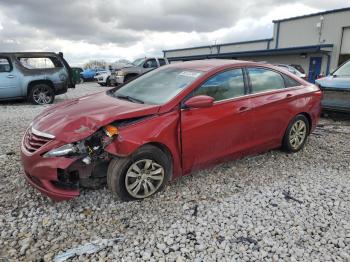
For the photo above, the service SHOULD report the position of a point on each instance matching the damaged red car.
(165, 124)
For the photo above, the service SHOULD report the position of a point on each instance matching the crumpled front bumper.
(42, 174)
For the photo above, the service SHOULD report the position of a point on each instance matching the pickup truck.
(138, 67)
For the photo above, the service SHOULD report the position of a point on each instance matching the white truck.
(139, 66)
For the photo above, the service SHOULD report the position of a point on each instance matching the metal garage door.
(345, 46)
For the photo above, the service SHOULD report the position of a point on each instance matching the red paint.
(195, 137)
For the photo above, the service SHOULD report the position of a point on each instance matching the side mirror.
(199, 102)
(146, 65)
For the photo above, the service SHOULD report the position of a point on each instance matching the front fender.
(161, 129)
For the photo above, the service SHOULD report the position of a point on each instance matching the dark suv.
(35, 76)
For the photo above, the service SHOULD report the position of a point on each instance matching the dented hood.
(76, 119)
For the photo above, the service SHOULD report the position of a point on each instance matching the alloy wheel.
(42, 95)
(144, 178)
(297, 134)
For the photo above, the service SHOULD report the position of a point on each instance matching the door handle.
(243, 108)
(10, 76)
(289, 95)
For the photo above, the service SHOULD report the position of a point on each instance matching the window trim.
(268, 69)
(223, 71)
(247, 87)
(285, 83)
(48, 57)
(10, 63)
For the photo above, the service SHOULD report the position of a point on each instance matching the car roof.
(29, 53)
(210, 64)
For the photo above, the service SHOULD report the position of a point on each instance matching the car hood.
(334, 82)
(76, 119)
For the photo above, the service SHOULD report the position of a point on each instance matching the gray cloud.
(34, 24)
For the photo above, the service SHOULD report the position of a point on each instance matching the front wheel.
(108, 82)
(139, 176)
(296, 134)
(41, 94)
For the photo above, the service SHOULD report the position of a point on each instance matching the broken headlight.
(91, 146)
(67, 150)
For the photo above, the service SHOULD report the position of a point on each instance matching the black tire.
(108, 82)
(118, 168)
(129, 78)
(36, 91)
(287, 145)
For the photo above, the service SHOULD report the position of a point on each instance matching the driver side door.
(222, 131)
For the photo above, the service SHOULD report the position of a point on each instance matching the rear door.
(9, 84)
(272, 105)
(211, 135)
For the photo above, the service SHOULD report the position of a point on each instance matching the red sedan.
(165, 124)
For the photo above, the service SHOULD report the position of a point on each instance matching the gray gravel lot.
(274, 206)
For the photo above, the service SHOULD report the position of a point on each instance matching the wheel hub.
(297, 134)
(144, 178)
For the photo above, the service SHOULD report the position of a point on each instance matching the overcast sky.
(115, 29)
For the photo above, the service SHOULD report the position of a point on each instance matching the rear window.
(263, 80)
(5, 65)
(290, 82)
(161, 62)
(40, 62)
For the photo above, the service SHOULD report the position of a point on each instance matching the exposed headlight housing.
(64, 150)
(91, 146)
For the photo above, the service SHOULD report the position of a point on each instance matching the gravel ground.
(274, 206)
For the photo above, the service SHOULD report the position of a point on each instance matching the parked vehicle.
(293, 70)
(109, 77)
(76, 74)
(299, 68)
(336, 89)
(37, 77)
(140, 66)
(166, 124)
(89, 74)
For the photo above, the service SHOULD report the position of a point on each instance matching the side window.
(264, 80)
(224, 85)
(37, 62)
(150, 63)
(161, 61)
(290, 82)
(5, 65)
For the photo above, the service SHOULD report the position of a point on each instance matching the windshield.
(138, 62)
(158, 86)
(344, 70)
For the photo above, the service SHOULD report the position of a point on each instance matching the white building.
(318, 42)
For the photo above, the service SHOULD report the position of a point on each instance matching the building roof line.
(313, 14)
(311, 48)
(225, 44)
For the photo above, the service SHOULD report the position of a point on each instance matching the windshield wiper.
(131, 99)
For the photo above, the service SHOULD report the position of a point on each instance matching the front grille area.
(33, 142)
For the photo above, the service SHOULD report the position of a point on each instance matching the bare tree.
(95, 64)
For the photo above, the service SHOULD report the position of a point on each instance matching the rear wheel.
(41, 94)
(296, 134)
(108, 82)
(139, 176)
